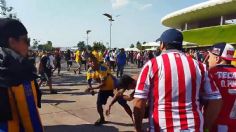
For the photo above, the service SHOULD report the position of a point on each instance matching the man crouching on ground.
(107, 84)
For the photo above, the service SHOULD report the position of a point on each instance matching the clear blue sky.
(64, 22)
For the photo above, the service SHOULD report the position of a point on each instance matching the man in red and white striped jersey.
(173, 83)
(224, 74)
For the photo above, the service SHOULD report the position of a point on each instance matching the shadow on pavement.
(60, 89)
(68, 79)
(80, 128)
(80, 93)
(56, 102)
(120, 123)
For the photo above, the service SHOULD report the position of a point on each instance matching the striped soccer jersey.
(174, 83)
(25, 115)
(225, 78)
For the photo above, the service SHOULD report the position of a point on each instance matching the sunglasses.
(26, 40)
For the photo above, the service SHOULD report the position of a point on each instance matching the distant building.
(206, 14)
(205, 23)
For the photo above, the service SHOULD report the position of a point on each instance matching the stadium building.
(206, 23)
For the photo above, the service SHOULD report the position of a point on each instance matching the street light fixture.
(87, 32)
(110, 20)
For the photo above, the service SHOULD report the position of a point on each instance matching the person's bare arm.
(139, 110)
(98, 86)
(211, 112)
(115, 98)
(129, 97)
(117, 95)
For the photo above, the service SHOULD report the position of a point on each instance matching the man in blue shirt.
(121, 60)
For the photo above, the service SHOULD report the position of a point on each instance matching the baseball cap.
(10, 28)
(225, 51)
(171, 36)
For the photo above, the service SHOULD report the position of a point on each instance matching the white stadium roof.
(132, 49)
(151, 44)
(205, 10)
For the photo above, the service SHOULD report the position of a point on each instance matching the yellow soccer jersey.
(102, 74)
(77, 56)
(100, 56)
(95, 53)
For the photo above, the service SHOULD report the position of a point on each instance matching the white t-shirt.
(52, 59)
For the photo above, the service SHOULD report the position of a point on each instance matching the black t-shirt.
(68, 56)
(58, 59)
(45, 61)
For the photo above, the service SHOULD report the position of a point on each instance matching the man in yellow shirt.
(107, 83)
(95, 54)
(78, 61)
(100, 57)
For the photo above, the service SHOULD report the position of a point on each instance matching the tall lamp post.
(110, 20)
(87, 32)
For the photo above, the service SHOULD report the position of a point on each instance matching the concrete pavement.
(72, 110)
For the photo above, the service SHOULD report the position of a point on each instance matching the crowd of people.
(184, 91)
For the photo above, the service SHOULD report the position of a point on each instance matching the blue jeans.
(120, 69)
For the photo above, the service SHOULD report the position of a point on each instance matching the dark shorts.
(122, 102)
(104, 95)
(83, 62)
(112, 63)
(58, 65)
(69, 62)
(46, 75)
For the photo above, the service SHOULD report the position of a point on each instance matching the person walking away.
(121, 60)
(224, 74)
(141, 59)
(18, 91)
(112, 60)
(68, 59)
(45, 70)
(107, 59)
(173, 83)
(52, 59)
(84, 57)
(131, 56)
(58, 62)
(78, 61)
(138, 59)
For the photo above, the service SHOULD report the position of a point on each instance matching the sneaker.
(99, 122)
(53, 92)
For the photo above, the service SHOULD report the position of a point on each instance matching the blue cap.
(171, 36)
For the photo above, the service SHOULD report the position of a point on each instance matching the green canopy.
(211, 35)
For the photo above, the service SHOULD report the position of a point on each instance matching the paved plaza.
(72, 110)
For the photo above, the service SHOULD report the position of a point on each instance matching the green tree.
(99, 46)
(81, 44)
(46, 47)
(139, 45)
(89, 47)
(35, 43)
(131, 46)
